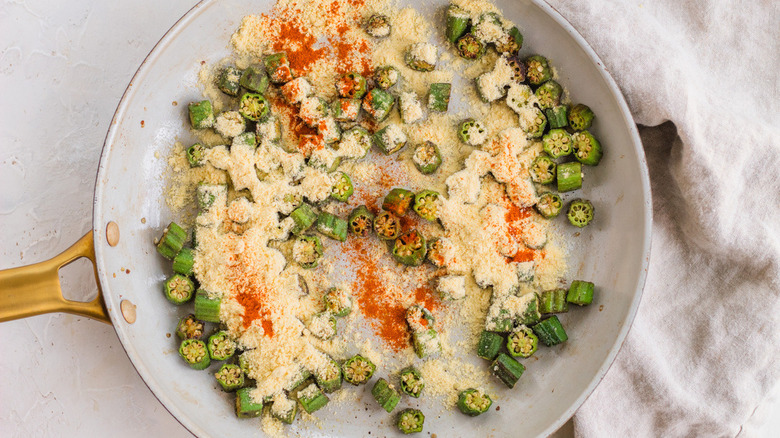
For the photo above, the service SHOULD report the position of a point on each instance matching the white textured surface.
(63, 68)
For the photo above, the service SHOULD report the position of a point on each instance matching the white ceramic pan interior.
(612, 252)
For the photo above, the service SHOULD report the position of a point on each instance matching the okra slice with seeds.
(345, 110)
(206, 309)
(386, 76)
(519, 71)
(360, 221)
(587, 150)
(378, 26)
(435, 255)
(426, 204)
(581, 117)
(470, 47)
(410, 421)
(246, 407)
(196, 155)
(390, 139)
(510, 42)
(228, 81)
(172, 241)
(427, 157)
(548, 95)
(472, 132)
(278, 68)
(284, 409)
(556, 116)
(569, 176)
(195, 353)
(398, 201)
(184, 261)
(507, 369)
(312, 398)
(522, 342)
(342, 186)
(387, 225)
(412, 382)
(355, 143)
(378, 103)
(543, 169)
(351, 85)
(230, 377)
(533, 122)
(580, 293)
(332, 226)
(439, 97)
(457, 22)
(538, 69)
(550, 331)
(422, 57)
(426, 343)
(220, 346)
(409, 248)
(189, 327)
(557, 143)
(410, 107)
(489, 345)
(254, 79)
(323, 326)
(357, 370)
(553, 301)
(329, 377)
(201, 114)
(385, 395)
(419, 318)
(549, 205)
(304, 217)
(178, 289)
(338, 302)
(307, 251)
(473, 402)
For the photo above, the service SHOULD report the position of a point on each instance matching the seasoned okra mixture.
(372, 198)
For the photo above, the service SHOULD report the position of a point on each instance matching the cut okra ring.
(412, 382)
(361, 221)
(473, 402)
(580, 213)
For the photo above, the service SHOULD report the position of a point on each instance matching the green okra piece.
(587, 150)
(323, 326)
(556, 116)
(278, 68)
(329, 378)
(254, 79)
(378, 26)
(338, 302)
(254, 107)
(489, 345)
(472, 132)
(501, 321)
(409, 248)
(425, 204)
(230, 377)
(245, 364)
(345, 110)
(426, 343)
(580, 293)
(178, 289)
(386, 76)
(172, 241)
(206, 309)
(569, 176)
(457, 23)
(189, 327)
(360, 221)
(538, 69)
(196, 155)
(510, 42)
(473, 402)
(299, 379)
(357, 370)
(229, 80)
(522, 342)
(351, 85)
(427, 157)
(439, 97)
(530, 313)
(245, 405)
(535, 125)
(312, 398)
(385, 395)
(360, 136)
(470, 47)
(201, 114)
(342, 186)
(304, 217)
(419, 318)
(195, 353)
(581, 117)
(284, 410)
(507, 369)
(332, 226)
(542, 169)
(220, 346)
(550, 331)
(435, 255)
(378, 103)
(557, 143)
(410, 421)
(390, 139)
(553, 301)
(245, 139)
(387, 225)
(412, 382)
(307, 251)
(548, 95)
(184, 261)
(398, 201)
(269, 130)
(421, 57)
(329, 129)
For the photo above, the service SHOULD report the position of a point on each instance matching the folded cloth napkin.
(701, 78)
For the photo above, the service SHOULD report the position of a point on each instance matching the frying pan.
(613, 252)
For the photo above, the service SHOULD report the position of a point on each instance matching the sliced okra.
(230, 124)
(229, 80)
(472, 132)
(338, 302)
(569, 176)
(410, 421)
(323, 326)
(269, 130)
(410, 107)
(519, 70)
(196, 155)
(184, 261)
(419, 318)
(360, 221)
(510, 42)
(390, 139)
(206, 309)
(507, 369)
(329, 377)
(470, 47)
(489, 345)
(304, 217)
(409, 248)
(553, 301)
(427, 157)
(172, 241)
(345, 110)
(378, 26)
(439, 97)
(580, 293)
(254, 79)
(422, 57)
(538, 69)
(201, 114)
(387, 225)
(398, 201)
(550, 331)
(357, 370)
(412, 382)
(557, 143)
(195, 353)
(549, 94)
(533, 122)
(351, 85)
(278, 68)
(457, 22)
(426, 343)
(284, 409)
(297, 379)
(245, 139)
(385, 395)
(587, 150)
(522, 342)
(556, 116)
(332, 226)
(296, 90)
(220, 346)
(527, 309)
(355, 143)
(488, 27)
(542, 169)
(312, 110)
(230, 377)
(426, 204)
(178, 289)
(307, 251)
(435, 255)
(549, 205)
(342, 186)
(386, 76)
(378, 103)
(473, 402)
(580, 117)
(246, 407)
(312, 398)
(189, 327)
